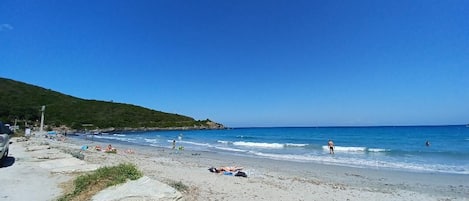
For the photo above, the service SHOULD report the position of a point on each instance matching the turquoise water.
(400, 148)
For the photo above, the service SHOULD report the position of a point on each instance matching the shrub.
(179, 186)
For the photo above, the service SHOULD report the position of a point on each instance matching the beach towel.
(228, 173)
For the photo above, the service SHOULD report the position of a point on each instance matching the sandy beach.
(267, 179)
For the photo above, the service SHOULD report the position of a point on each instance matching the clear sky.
(250, 62)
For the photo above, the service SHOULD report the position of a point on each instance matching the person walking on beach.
(331, 146)
(174, 144)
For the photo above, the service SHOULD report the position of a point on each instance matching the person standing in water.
(174, 144)
(331, 146)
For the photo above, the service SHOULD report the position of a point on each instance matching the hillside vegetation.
(23, 102)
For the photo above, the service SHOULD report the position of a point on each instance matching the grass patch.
(85, 186)
(179, 186)
(113, 151)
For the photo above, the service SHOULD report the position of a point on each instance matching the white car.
(5, 133)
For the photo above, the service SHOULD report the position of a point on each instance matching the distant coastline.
(66, 130)
(184, 128)
(377, 126)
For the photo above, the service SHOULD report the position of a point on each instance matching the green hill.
(23, 102)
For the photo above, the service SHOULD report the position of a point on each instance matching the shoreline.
(112, 130)
(351, 183)
(339, 159)
(267, 179)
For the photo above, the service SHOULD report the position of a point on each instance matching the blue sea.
(397, 148)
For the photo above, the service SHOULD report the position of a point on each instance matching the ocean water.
(398, 148)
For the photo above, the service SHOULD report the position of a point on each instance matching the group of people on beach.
(109, 148)
(180, 148)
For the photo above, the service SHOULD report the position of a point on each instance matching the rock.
(21, 139)
(36, 148)
(78, 154)
(140, 189)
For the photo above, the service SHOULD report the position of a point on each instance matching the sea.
(388, 147)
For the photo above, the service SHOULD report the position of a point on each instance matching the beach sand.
(271, 179)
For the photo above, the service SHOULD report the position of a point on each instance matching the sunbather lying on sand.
(225, 169)
(231, 169)
(236, 171)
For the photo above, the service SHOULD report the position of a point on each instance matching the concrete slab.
(142, 189)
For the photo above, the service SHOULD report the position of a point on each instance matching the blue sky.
(250, 63)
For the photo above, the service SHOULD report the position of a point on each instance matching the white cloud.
(5, 27)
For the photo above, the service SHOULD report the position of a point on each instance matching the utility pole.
(43, 108)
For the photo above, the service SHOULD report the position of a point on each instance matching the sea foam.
(295, 145)
(259, 145)
(346, 149)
